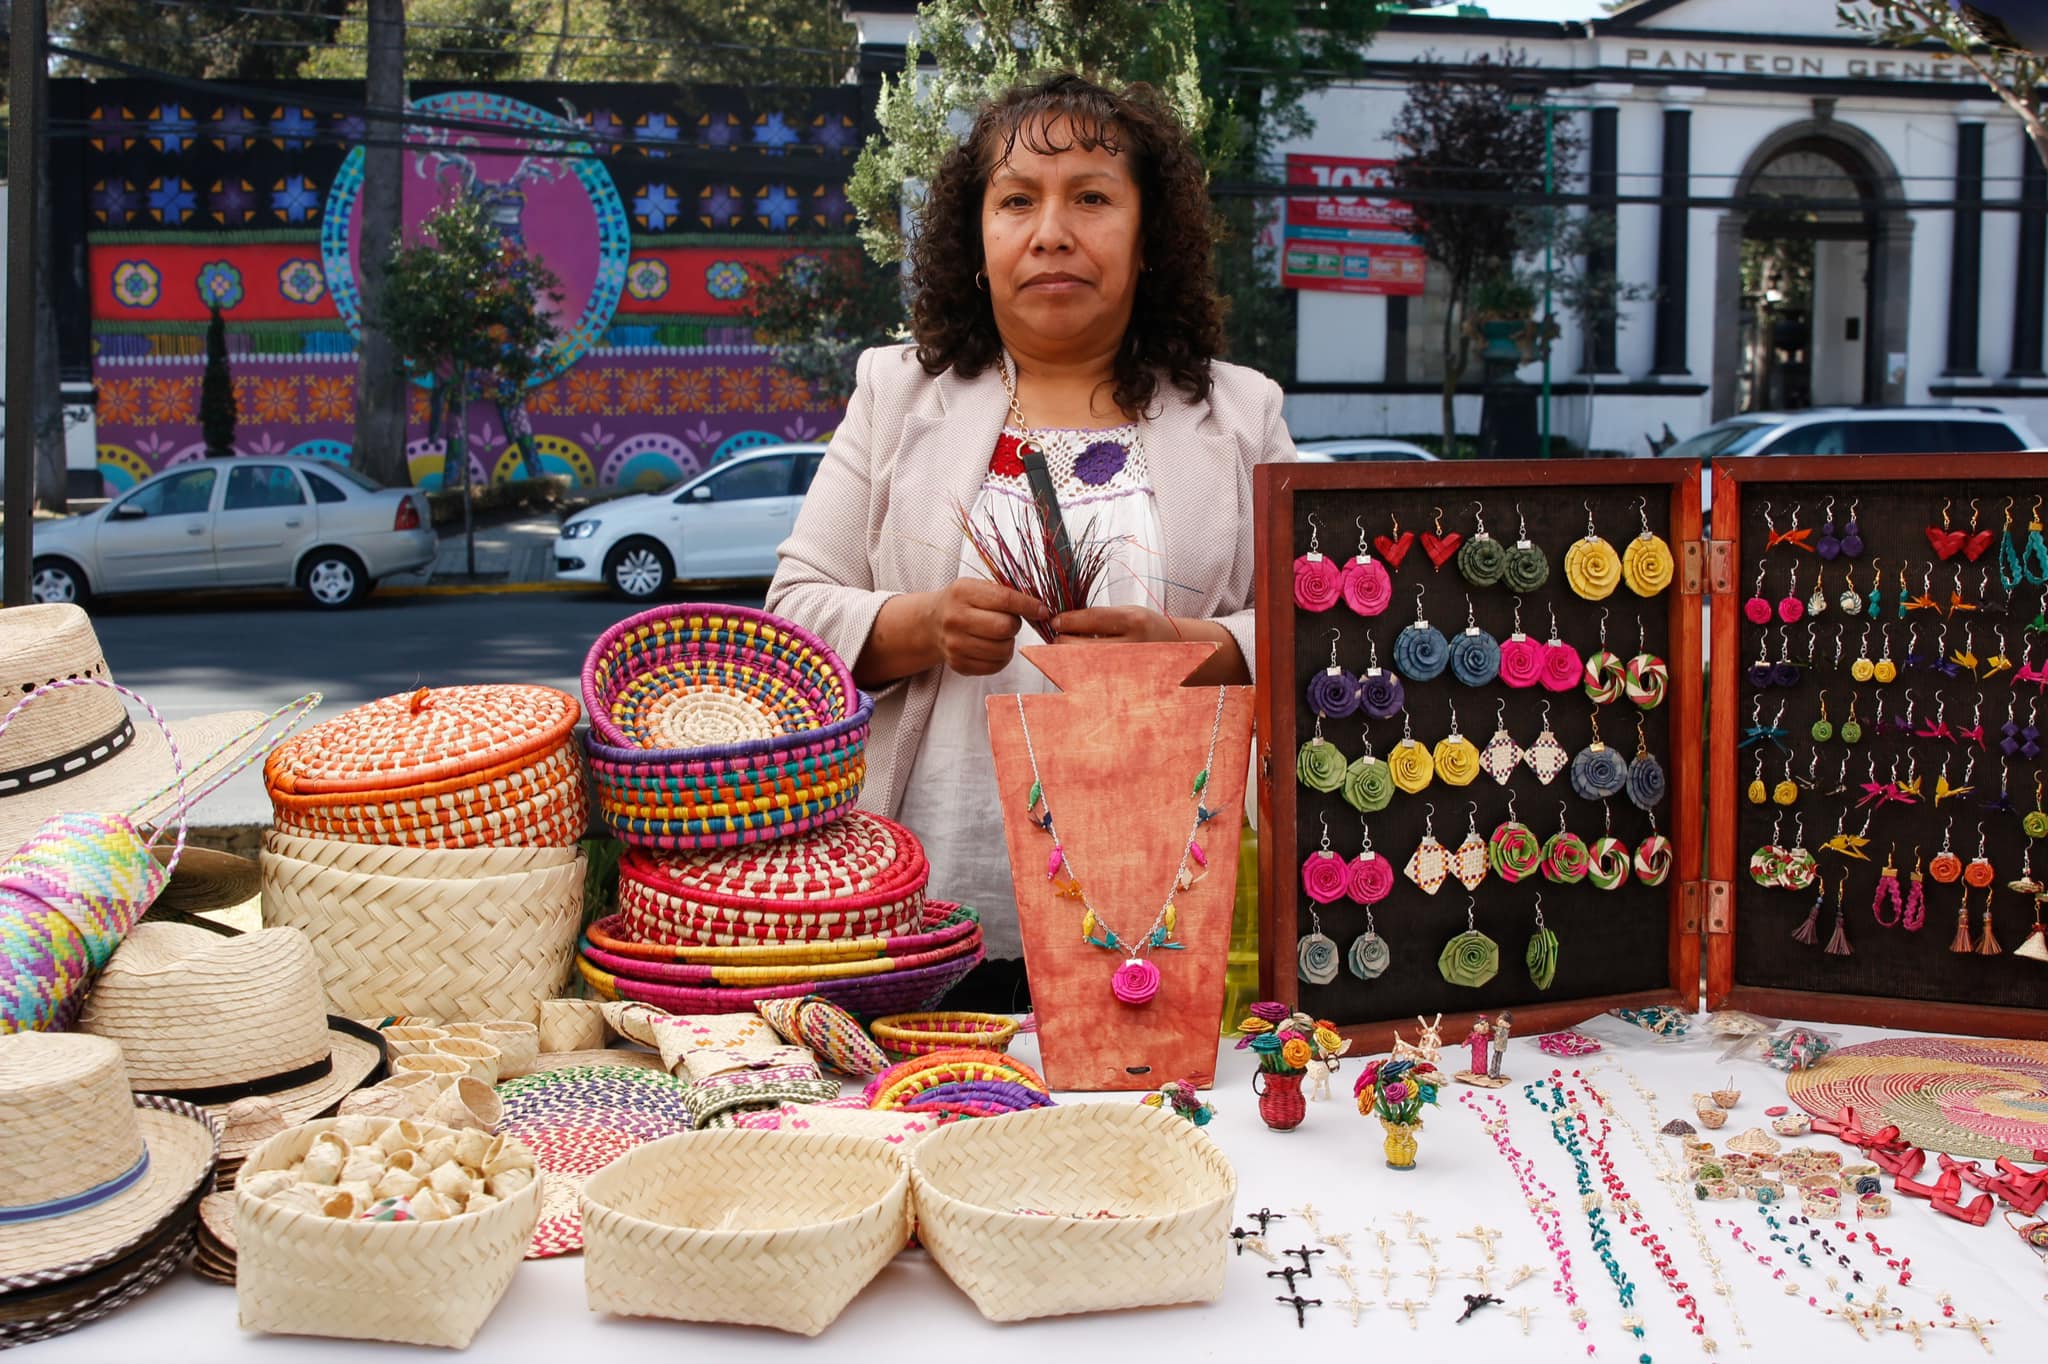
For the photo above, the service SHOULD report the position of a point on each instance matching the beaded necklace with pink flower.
(1137, 980)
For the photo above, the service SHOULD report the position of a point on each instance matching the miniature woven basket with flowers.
(1288, 1045)
(1395, 1092)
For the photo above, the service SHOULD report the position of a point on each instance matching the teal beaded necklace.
(1562, 1131)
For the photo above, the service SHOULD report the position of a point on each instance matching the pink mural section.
(656, 375)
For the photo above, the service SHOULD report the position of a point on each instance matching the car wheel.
(57, 580)
(334, 579)
(639, 568)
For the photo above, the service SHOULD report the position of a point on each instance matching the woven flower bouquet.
(726, 747)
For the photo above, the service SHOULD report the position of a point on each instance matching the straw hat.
(213, 1020)
(87, 1169)
(78, 749)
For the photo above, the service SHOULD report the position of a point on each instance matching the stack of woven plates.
(427, 843)
(726, 746)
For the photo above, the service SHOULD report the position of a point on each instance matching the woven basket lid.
(861, 855)
(427, 735)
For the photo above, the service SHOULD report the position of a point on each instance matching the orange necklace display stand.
(1119, 746)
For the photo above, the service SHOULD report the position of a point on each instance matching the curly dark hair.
(1177, 321)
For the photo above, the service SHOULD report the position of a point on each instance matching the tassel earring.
(1987, 943)
(1914, 916)
(1317, 581)
(1838, 942)
(1887, 889)
(1961, 944)
(1809, 931)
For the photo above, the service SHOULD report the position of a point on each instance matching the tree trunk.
(380, 387)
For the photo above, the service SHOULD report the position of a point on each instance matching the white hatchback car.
(248, 521)
(724, 523)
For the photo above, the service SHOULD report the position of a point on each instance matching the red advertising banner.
(1353, 241)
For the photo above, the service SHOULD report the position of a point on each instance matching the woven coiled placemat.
(1966, 1096)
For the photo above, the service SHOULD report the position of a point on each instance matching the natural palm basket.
(777, 1229)
(1084, 1208)
(453, 767)
(715, 726)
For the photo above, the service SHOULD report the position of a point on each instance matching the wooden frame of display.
(1740, 484)
(1276, 490)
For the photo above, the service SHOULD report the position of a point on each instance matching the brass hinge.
(1707, 566)
(1720, 909)
(1706, 906)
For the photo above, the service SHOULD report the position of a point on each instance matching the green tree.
(1473, 129)
(819, 312)
(2015, 74)
(217, 389)
(464, 306)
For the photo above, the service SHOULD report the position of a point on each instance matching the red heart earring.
(1394, 549)
(1947, 543)
(1438, 545)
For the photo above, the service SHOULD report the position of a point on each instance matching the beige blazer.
(879, 517)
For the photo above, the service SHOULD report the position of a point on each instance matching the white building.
(1718, 103)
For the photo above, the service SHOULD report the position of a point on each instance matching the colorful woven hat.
(211, 1019)
(77, 749)
(577, 1120)
(834, 1034)
(88, 1171)
(715, 726)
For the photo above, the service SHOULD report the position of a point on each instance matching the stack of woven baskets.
(727, 748)
(427, 843)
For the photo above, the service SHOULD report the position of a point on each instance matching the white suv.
(1861, 431)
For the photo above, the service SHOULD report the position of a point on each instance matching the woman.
(1064, 302)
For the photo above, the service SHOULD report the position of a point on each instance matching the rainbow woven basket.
(713, 726)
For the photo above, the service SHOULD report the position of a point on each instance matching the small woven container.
(420, 1283)
(776, 1229)
(715, 726)
(452, 767)
(863, 876)
(466, 948)
(1012, 1209)
(903, 1036)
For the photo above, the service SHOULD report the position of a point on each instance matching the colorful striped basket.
(863, 876)
(449, 767)
(716, 726)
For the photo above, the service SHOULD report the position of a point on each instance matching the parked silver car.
(244, 522)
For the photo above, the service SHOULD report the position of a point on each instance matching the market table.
(1333, 1161)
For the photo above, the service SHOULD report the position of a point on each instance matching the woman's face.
(1059, 235)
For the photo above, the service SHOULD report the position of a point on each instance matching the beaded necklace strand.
(1628, 1213)
(1542, 1203)
(1137, 980)
(1660, 1160)
(1562, 1131)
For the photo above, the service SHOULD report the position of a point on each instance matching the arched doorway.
(1811, 292)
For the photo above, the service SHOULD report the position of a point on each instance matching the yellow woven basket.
(1085, 1208)
(420, 1283)
(774, 1229)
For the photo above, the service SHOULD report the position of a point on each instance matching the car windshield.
(1729, 438)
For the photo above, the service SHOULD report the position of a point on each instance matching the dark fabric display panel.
(1609, 941)
(1963, 613)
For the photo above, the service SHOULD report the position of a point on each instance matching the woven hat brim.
(138, 776)
(352, 1059)
(181, 1155)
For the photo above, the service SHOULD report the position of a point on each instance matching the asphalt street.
(193, 656)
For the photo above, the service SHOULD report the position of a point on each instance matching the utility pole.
(27, 33)
(380, 387)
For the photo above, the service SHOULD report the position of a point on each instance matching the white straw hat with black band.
(212, 1020)
(79, 750)
(88, 1169)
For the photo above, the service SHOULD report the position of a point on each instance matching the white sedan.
(723, 523)
(249, 521)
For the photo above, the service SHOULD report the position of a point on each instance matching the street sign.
(1351, 242)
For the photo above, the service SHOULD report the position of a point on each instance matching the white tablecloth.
(911, 1313)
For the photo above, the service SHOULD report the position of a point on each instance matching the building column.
(1600, 261)
(1966, 251)
(2031, 277)
(1673, 263)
